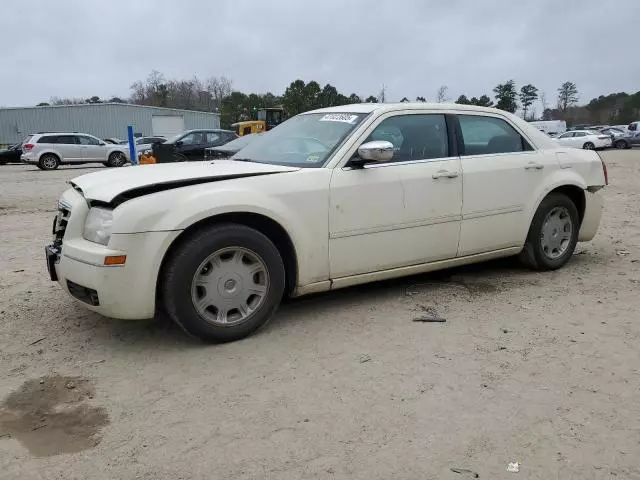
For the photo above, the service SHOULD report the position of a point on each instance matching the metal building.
(103, 120)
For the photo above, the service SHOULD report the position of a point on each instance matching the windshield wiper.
(242, 160)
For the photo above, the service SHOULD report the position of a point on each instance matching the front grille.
(60, 222)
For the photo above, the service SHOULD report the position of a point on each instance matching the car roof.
(208, 130)
(391, 107)
(63, 133)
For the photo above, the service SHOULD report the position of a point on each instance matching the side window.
(194, 138)
(566, 135)
(414, 137)
(212, 137)
(67, 140)
(87, 140)
(48, 139)
(482, 135)
(579, 134)
(188, 139)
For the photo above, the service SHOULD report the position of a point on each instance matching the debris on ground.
(365, 358)
(35, 342)
(430, 316)
(504, 330)
(622, 253)
(513, 467)
(465, 471)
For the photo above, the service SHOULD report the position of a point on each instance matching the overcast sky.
(80, 48)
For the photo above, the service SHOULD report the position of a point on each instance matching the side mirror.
(102, 144)
(179, 143)
(378, 151)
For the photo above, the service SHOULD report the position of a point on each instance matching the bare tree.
(218, 88)
(441, 95)
(567, 95)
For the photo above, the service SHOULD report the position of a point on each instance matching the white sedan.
(330, 198)
(587, 139)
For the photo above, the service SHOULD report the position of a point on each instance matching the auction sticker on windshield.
(339, 117)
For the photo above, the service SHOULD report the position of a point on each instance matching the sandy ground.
(539, 368)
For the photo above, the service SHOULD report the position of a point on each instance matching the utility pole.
(382, 95)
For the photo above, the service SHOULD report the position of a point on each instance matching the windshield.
(303, 141)
(240, 141)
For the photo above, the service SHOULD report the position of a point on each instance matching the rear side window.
(48, 139)
(483, 135)
(67, 140)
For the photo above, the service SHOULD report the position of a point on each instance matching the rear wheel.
(620, 144)
(223, 283)
(553, 234)
(48, 162)
(117, 159)
(589, 146)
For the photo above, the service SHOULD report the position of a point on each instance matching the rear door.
(501, 174)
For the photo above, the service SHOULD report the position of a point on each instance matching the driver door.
(401, 213)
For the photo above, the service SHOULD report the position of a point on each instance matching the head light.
(97, 226)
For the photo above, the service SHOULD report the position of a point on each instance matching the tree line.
(216, 94)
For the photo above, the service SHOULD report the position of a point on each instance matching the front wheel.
(553, 234)
(589, 146)
(223, 282)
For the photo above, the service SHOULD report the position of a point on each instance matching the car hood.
(120, 184)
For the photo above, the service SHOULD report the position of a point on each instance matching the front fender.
(301, 212)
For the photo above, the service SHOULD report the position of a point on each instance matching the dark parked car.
(231, 148)
(190, 145)
(11, 154)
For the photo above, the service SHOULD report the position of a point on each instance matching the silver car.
(50, 150)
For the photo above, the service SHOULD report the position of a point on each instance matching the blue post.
(132, 145)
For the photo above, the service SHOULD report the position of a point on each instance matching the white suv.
(49, 150)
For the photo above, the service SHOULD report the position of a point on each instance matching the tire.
(589, 146)
(538, 253)
(48, 161)
(117, 159)
(223, 257)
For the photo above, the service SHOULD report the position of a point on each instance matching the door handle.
(444, 174)
(534, 166)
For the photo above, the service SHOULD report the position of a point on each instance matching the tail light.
(27, 147)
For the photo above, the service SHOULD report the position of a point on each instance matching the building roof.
(118, 104)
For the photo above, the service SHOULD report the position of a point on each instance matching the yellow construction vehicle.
(267, 119)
